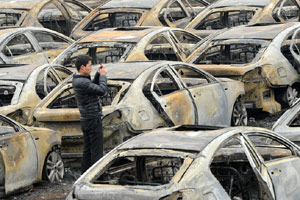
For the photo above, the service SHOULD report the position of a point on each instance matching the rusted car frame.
(31, 45)
(23, 86)
(58, 15)
(230, 13)
(116, 13)
(131, 44)
(27, 155)
(143, 96)
(265, 58)
(196, 162)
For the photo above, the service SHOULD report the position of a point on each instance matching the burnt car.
(264, 57)
(143, 96)
(27, 155)
(31, 45)
(131, 44)
(57, 15)
(196, 162)
(124, 13)
(288, 125)
(23, 86)
(229, 13)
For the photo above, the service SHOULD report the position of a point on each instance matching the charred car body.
(288, 125)
(31, 45)
(131, 44)
(229, 13)
(27, 155)
(196, 163)
(57, 15)
(265, 57)
(23, 86)
(122, 13)
(144, 96)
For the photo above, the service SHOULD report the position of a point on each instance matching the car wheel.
(53, 167)
(239, 115)
(290, 96)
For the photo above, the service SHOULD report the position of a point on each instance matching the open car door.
(174, 102)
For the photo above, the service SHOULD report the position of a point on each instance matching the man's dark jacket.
(87, 94)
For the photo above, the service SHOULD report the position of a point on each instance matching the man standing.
(87, 94)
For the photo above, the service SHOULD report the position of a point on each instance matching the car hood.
(227, 70)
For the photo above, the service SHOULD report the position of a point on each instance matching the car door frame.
(221, 98)
(267, 165)
(164, 108)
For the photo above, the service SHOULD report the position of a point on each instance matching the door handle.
(37, 138)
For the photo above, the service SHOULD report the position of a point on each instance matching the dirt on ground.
(59, 191)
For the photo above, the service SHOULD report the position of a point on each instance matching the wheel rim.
(54, 167)
(239, 115)
(291, 95)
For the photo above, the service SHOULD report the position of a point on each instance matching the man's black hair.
(82, 60)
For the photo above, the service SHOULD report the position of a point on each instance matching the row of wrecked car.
(157, 77)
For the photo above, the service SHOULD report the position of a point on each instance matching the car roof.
(16, 71)
(5, 32)
(128, 70)
(185, 138)
(235, 3)
(256, 31)
(18, 4)
(125, 34)
(130, 4)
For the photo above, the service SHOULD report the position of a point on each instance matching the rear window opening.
(112, 91)
(111, 20)
(229, 54)
(6, 94)
(9, 19)
(140, 170)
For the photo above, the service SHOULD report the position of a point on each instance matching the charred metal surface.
(125, 13)
(195, 162)
(227, 13)
(288, 125)
(23, 151)
(142, 96)
(247, 54)
(23, 86)
(58, 15)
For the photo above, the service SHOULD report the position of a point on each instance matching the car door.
(173, 102)
(281, 162)
(207, 93)
(19, 155)
(60, 112)
(19, 49)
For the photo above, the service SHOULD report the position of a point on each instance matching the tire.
(53, 170)
(290, 96)
(239, 115)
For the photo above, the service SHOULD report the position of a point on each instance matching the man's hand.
(102, 70)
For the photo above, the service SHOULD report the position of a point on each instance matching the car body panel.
(262, 74)
(23, 152)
